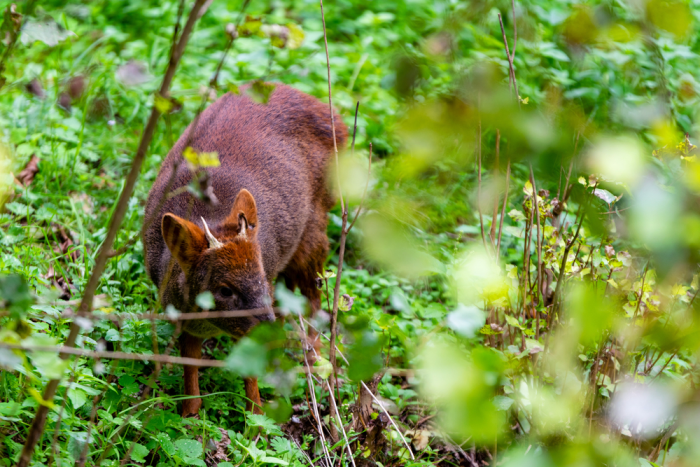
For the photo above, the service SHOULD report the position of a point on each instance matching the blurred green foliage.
(565, 338)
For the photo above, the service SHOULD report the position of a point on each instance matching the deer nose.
(264, 314)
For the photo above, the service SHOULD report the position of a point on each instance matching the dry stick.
(503, 210)
(117, 355)
(567, 188)
(313, 398)
(510, 58)
(526, 260)
(494, 216)
(515, 29)
(478, 192)
(330, 107)
(103, 254)
(343, 233)
(562, 268)
(174, 317)
(390, 419)
(328, 339)
(641, 292)
(369, 172)
(340, 423)
(539, 252)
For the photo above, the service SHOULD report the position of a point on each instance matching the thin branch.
(166, 317)
(567, 188)
(562, 268)
(124, 248)
(390, 419)
(494, 216)
(510, 61)
(641, 292)
(118, 355)
(478, 192)
(369, 171)
(340, 423)
(330, 108)
(503, 209)
(328, 339)
(515, 30)
(536, 208)
(37, 428)
(315, 405)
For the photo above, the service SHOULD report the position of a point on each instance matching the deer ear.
(244, 214)
(185, 240)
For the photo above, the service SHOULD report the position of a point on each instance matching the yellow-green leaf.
(163, 104)
(296, 36)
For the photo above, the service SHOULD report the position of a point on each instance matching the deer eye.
(226, 291)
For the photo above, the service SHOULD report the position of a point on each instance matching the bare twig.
(340, 424)
(343, 234)
(330, 107)
(314, 408)
(515, 30)
(536, 208)
(117, 355)
(641, 292)
(166, 317)
(510, 59)
(478, 190)
(124, 248)
(390, 419)
(103, 254)
(562, 268)
(494, 216)
(328, 339)
(369, 171)
(503, 210)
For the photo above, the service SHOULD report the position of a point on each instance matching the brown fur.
(271, 216)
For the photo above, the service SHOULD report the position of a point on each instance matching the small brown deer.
(270, 219)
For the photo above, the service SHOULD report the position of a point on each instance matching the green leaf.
(516, 215)
(129, 385)
(323, 367)
(267, 424)
(274, 460)
(77, 397)
(261, 91)
(502, 402)
(248, 358)
(48, 32)
(205, 300)
(288, 302)
(189, 448)
(513, 321)
(166, 444)
(139, 452)
(466, 320)
(296, 36)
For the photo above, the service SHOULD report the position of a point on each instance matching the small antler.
(243, 224)
(214, 243)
